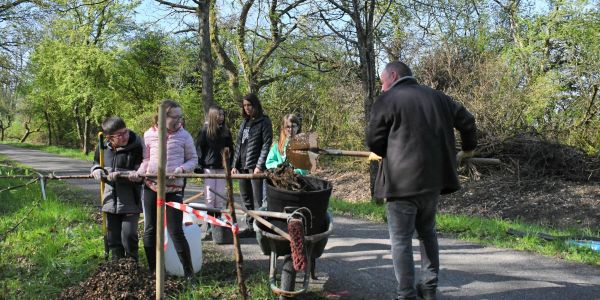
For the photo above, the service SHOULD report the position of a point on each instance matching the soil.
(553, 202)
(521, 188)
(120, 279)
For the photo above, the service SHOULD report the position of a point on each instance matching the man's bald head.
(392, 72)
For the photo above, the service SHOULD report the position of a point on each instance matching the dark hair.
(169, 104)
(253, 99)
(112, 124)
(399, 67)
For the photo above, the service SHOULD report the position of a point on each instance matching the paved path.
(357, 261)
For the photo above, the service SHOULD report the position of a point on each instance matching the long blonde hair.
(291, 119)
(213, 130)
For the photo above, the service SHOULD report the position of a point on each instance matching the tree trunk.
(366, 49)
(49, 127)
(228, 65)
(206, 62)
(86, 135)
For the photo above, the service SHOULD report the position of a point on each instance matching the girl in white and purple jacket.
(181, 158)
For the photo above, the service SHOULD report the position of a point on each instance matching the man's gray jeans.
(405, 215)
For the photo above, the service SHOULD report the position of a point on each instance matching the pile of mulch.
(120, 279)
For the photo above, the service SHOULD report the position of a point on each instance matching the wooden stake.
(102, 183)
(160, 199)
(239, 259)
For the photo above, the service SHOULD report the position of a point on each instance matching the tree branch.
(177, 5)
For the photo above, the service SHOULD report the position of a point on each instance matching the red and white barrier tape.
(200, 214)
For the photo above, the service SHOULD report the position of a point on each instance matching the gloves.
(461, 155)
(97, 174)
(134, 176)
(113, 176)
(374, 156)
(178, 170)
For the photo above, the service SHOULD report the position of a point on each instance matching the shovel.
(303, 152)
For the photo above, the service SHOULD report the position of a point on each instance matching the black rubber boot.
(117, 253)
(426, 293)
(151, 257)
(186, 260)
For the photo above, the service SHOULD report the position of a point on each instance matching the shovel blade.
(302, 159)
(303, 141)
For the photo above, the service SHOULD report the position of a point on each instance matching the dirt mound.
(533, 156)
(121, 279)
(350, 186)
(539, 182)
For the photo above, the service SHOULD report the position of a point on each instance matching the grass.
(491, 232)
(48, 245)
(45, 245)
(62, 151)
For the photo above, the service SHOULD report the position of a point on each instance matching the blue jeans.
(405, 215)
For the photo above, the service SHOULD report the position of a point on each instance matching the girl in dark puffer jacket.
(253, 143)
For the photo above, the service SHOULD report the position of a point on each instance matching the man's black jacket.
(412, 128)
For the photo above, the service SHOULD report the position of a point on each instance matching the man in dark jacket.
(122, 197)
(412, 129)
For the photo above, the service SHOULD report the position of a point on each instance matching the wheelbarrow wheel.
(288, 275)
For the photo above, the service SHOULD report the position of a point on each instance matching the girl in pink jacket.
(181, 158)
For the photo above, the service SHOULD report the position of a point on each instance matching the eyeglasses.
(176, 118)
(118, 134)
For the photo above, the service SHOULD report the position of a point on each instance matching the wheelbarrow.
(312, 205)
(276, 246)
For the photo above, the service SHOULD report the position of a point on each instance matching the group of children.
(128, 154)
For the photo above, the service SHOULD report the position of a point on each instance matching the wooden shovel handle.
(475, 160)
(345, 152)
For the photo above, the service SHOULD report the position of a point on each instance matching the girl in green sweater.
(290, 126)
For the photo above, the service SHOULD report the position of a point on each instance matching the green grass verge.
(62, 151)
(45, 245)
(491, 232)
(48, 245)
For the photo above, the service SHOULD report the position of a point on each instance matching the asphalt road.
(357, 261)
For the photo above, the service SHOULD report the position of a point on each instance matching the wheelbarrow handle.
(264, 222)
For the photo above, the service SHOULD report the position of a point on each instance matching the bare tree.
(200, 8)
(355, 22)
(254, 43)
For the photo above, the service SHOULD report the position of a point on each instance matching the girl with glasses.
(290, 126)
(181, 158)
